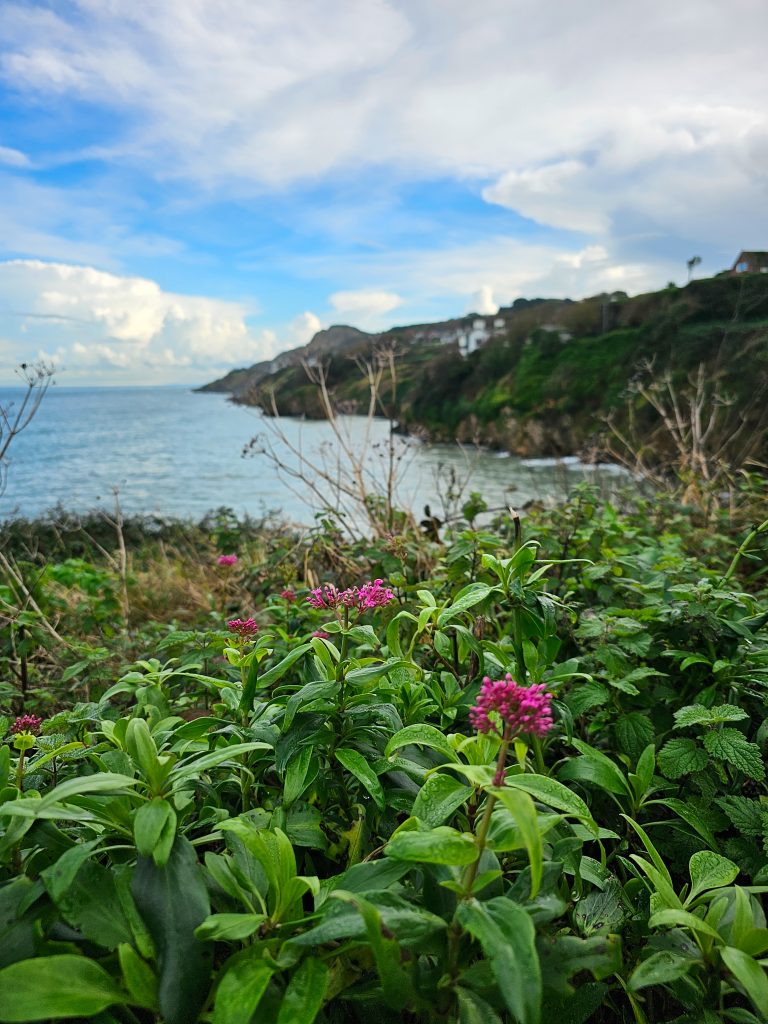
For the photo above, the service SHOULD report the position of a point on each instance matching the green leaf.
(154, 829)
(634, 732)
(243, 981)
(193, 767)
(521, 807)
(441, 845)
(681, 757)
(278, 671)
(303, 998)
(508, 939)
(173, 901)
(730, 745)
(396, 984)
(229, 927)
(466, 598)
(693, 816)
(438, 798)
(552, 793)
(682, 919)
(749, 974)
(355, 763)
(139, 977)
(697, 714)
(296, 780)
(593, 766)
(421, 735)
(55, 986)
(601, 911)
(473, 1009)
(744, 814)
(659, 969)
(709, 871)
(369, 673)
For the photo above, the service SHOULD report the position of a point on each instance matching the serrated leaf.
(730, 745)
(680, 757)
(744, 813)
(634, 732)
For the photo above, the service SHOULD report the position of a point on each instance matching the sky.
(188, 186)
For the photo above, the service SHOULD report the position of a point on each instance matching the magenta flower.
(522, 709)
(27, 723)
(371, 595)
(246, 629)
(288, 595)
(321, 635)
(374, 595)
(226, 560)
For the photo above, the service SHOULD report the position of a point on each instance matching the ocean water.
(173, 452)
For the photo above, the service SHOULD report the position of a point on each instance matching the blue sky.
(192, 185)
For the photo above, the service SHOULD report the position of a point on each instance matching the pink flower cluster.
(27, 723)
(371, 595)
(288, 595)
(246, 629)
(226, 560)
(524, 709)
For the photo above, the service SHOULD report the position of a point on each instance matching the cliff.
(549, 372)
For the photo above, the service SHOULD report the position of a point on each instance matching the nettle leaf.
(731, 746)
(634, 732)
(744, 813)
(697, 714)
(587, 695)
(680, 757)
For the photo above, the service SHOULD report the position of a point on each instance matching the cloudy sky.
(192, 185)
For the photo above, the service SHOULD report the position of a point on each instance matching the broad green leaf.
(395, 981)
(421, 735)
(60, 875)
(55, 986)
(303, 999)
(279, 670)
(438, 798)
(508, 939)
(473, 1009)
(229, 927)
(682, 919)
(355, 763)
(243, 981)
(173, 902)
(709, 871)
(467, 598)
(296, 780)
(659, 969)
(193, 767)
(552, 793)
(140, 979)
(521, 807)
(593, 766)
(369, 673)
(692, 815)
(749, 974)
(440, 845)
(154, 829)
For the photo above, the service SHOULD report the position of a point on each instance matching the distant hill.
(539, 377)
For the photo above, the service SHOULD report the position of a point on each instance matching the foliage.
(299, 823)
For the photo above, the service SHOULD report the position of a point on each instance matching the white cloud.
(86, 318)
(365, 304)
(483, 301)
(13, 157)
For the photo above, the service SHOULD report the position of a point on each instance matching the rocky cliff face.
(332, 341)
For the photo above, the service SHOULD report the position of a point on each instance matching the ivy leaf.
(681, 757)
(730, 745)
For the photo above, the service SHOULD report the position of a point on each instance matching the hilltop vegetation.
(546, 384)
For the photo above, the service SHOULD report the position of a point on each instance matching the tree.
(692, 263)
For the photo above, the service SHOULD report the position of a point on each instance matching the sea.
(171, 452)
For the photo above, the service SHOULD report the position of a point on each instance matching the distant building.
(473, 338)
(751, 263)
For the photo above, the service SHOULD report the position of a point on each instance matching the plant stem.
(470, 873)
(743, 547)
(20, 770)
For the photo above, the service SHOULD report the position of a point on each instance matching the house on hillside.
(474, 337)
(751, 263)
